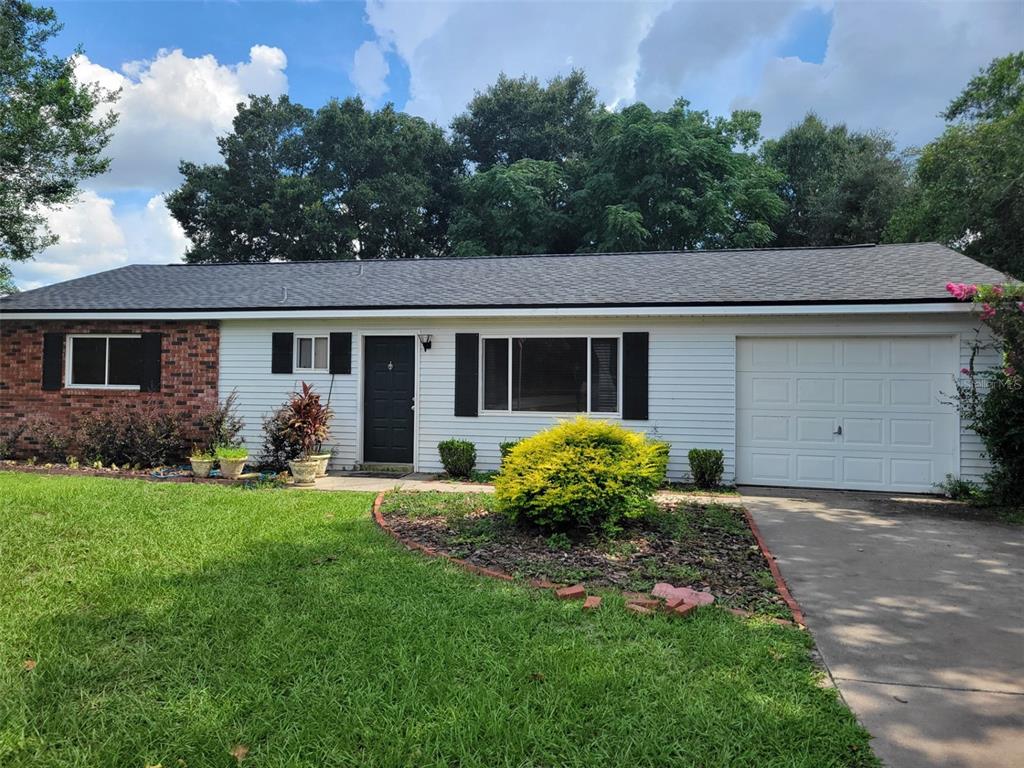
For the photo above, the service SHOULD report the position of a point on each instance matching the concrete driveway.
(918, 615)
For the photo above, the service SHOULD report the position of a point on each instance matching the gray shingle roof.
(857, 274)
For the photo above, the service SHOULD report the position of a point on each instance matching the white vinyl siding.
(692, 365)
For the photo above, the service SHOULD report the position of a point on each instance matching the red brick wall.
(189, 370)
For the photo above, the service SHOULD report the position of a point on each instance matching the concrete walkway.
(918, 615)
(418, 481)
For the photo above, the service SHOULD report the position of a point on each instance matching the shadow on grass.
(341, 648)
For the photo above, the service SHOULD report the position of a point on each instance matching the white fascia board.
(350, 314)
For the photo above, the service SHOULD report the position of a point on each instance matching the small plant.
(706, 466)
(279, 444)
(52, 442)
(231, 452)
(72, 462)
(765, 580)
(9, 442)
(559, 541)
(199, 454)
(581, 473)
(960, 489)
(308, 420)
(505, 448)
(147, 436)
(223, 423)
(458, 457)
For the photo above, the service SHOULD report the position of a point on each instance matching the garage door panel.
(885, 393)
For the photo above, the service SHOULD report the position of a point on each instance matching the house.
(817, 367)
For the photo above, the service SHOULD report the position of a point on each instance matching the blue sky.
(183, 66)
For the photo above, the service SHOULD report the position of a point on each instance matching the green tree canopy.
(676, 179)
(841, 187)
(338, 183)
(519, 119)
(52, 133)
(969, 182)
(515, 209)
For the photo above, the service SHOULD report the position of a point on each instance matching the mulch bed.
(702, 546)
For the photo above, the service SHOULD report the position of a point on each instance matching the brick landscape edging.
(378, 518)
(780, 583)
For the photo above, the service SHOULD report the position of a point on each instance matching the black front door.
(388, 399)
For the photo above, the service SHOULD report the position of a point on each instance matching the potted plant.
(308, 425)
(202, 462)
(232, 460)
(322, 459)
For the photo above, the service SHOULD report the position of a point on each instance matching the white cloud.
(95, 235)
(173, 107)
(893, 66)
(454, 49)
(887, 65)
(370, 71)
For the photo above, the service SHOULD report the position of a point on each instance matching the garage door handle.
(839, 430)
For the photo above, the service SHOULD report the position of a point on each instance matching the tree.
(674, 180)
(519, 119)
(53, 134)
(969, 182)
(339, 183)
(841, 186)
(7, 285)
(516, 209)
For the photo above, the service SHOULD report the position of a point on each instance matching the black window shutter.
(467, 367)
(53, 356)
(341, 353)
(151, 353)
(634, 375)
(281, 352)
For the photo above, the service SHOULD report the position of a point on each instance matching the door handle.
(839, 430)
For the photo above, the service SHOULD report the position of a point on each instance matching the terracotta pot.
(304, 471)
(232, 468)
(202, 467)
(322, 459)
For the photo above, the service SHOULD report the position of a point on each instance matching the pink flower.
(965, 371)
(970, 290)
(987, 311)
(1010, 371)
(997, 290)
(957, 289)
(1020, 306)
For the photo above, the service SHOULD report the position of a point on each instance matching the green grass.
(170, 623)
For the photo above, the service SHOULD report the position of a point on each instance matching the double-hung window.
(113, 361)
(574, 374)
(311, 353)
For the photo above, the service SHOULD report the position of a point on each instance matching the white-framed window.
(551, 374)
(108, 361)
(311, 353)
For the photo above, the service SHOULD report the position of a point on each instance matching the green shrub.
(581, 473)
(280, 445)
(458, 457)
(706, 467)
(145, 437)
(223, 424)
(50, 442)
(960, 489)
(506, 447)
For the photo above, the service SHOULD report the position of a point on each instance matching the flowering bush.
(992, 401)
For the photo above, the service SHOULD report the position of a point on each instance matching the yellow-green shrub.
(580, 473)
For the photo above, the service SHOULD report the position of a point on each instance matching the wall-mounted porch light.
(425, 339)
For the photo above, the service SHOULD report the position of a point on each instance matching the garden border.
(115, 475)
(780, 583)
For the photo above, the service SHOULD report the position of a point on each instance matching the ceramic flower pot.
(304, 471)
(232, 468)
(202, 467)
(322, 460)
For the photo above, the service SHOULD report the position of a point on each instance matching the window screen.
(549, 374)
(604, 375)
(495, 374)
(89, 360)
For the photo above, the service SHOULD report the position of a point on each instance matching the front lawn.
(181, 625)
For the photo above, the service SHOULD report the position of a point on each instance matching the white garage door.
(846, 412)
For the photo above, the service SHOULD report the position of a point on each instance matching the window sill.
(559, 414)
(103, 387)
